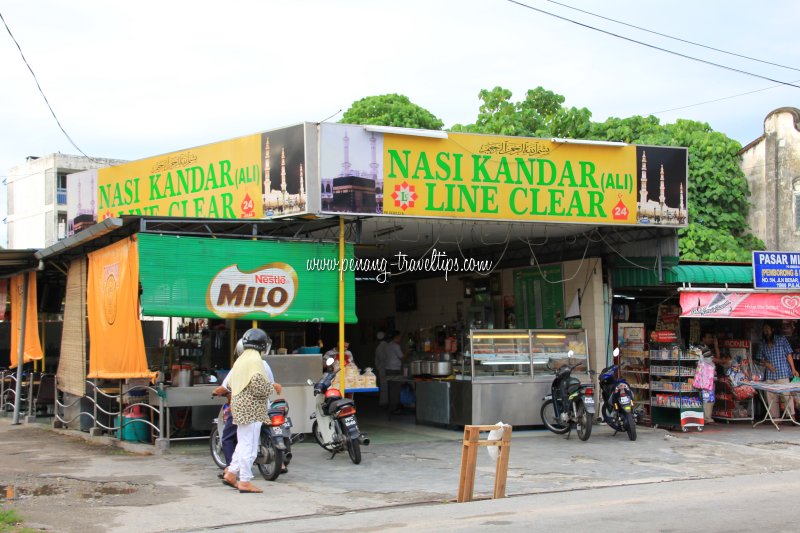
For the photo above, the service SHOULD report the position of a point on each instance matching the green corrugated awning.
(713, 274)
(696, 274)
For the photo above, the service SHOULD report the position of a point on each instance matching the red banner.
(740, 305)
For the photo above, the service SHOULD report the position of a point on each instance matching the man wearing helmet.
(248, 386)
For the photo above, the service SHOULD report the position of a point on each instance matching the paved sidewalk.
(66, 484)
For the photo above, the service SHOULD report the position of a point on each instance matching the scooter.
(618, 407)
(335, 426)
(275, 442)
(569, 404)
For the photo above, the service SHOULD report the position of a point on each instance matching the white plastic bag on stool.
(495, 434)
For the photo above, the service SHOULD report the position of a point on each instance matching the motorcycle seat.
(336, 405)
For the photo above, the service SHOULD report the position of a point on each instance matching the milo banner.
(740, 305)
(500, 178)
(257, 176)
(255, 280)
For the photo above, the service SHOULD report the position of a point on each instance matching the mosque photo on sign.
(350, 169)
(81, 201)
(662, 186)
(284, 184)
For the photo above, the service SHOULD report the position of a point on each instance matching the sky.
(134, 80)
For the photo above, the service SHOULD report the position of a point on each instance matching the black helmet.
(257, 339)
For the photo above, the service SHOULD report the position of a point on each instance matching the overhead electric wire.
(674, 38)
(718, 99)
(685, 56)
(40, 89)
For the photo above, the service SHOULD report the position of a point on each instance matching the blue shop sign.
(776, 270)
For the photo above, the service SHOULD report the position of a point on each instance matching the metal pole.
(31, 399)
(21, 347)
(341, 305)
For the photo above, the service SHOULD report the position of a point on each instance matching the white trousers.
(246, 450)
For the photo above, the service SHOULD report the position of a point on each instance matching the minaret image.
(680, 203)
(302, 199)
(266, 181)
(373, 166)
(661, 196)
(283, 178)
(346, 162)
(643, 189)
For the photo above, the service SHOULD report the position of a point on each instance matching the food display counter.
(503, 376)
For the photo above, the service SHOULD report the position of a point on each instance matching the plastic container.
(133, 431)
(309, 350)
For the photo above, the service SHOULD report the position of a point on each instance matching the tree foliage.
(391, 110)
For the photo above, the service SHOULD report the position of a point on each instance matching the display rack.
(726, 406)
(634, 366)
(673, 400)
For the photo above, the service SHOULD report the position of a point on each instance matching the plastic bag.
(495, 434)
(704, 376)
(743, 392)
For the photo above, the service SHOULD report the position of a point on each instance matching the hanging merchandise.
(704, 376)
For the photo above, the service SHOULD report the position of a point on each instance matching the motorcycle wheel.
(270, 469)
(354, 450)
(215, 443)
(630, 425)
(550, 420)
(610, 418)
(583, 422)
(318, 437)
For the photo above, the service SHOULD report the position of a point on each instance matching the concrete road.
(409, 476)
(763, 502)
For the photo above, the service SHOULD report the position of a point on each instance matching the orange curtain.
(32, 346)
(116, 344)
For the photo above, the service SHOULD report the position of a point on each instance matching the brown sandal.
(246, 487)
(229, 479)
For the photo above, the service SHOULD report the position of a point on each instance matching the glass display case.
(551, 347)
(513, 353)
(499, 353)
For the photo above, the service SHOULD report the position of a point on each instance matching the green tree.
(391, 110)
(540, 114)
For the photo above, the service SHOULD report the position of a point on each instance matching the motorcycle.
(335, 427)
(618, 408)
(569, 404)
(275, 442)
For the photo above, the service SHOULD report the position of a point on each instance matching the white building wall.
(771, 164)
(32, 220)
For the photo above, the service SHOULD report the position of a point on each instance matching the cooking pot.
(426, 368)
(184, 378)
(416, 367)
(443, 368)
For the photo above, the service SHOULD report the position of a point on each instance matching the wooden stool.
(469, 457)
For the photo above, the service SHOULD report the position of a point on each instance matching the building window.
(62, 226)
(797, 211)
(61, 189)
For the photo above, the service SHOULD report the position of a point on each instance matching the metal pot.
(426, 368)
(444, 368)
(184, 378)
(416, 367)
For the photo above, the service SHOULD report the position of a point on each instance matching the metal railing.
(8, 388)
(116, 420)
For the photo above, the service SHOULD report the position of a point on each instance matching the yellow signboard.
(507, 178)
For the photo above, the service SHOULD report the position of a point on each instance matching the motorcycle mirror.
(309, 382)
(329, 361)
(616, 353)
